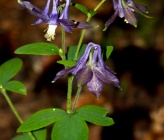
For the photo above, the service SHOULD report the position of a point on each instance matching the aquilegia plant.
(84, 64)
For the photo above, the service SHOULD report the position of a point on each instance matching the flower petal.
(111, 19)
(82, 25)
(82, 61)
(54, 8)
(73, 24)
(106, 76)
(35, 11)
(95, 85)
(29, 6)
(63, 72)
(53, 19)
(110, 70)
(67, 24)
(83, 76)
(64, 14)
(142, 8)
(68, 29)
(100, 62)
(115, 4)
(137, 7)
(46, 9)
(130, 17)
(38, 21)
(120, 9)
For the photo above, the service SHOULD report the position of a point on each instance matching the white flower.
(50, 35)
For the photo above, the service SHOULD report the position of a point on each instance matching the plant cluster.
(84, 63)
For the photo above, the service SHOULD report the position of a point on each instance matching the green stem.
(63, 44)
(69, 93)
(15, 111)
(76, 98)
(79, 44)
(84, 30)
(98, 6)
(31, 135)
(70, 79)
(12, 106)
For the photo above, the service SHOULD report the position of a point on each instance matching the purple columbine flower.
(90, 69)
(53, 18)
(126, 8)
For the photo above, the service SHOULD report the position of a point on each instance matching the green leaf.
(38, 49)
(71, 127)
(92, 13)
(15, 86)
(38, 134)
(41, 119)
(95, 115)
(80, 7)
(107, 52)
(24, 136)
(9, 69)
(72, 50)
(68, 63)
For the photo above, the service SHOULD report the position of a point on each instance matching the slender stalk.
(84, 30)
(15, 111)
(12, 106)
(63, 44)
(98, 6)
(70, 79)
(31, 135)
(69, 93)
(79, 44)
(76, 98)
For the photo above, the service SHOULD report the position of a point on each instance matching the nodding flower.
(53, 18)
(125, 9)
(90, 69)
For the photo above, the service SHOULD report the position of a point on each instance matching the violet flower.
(53, 18)
(126, 9)
(90, 69)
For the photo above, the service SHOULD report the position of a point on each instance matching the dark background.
(138, 60)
